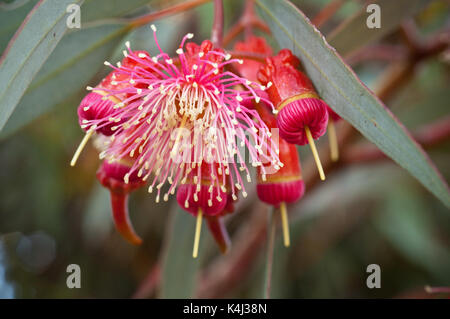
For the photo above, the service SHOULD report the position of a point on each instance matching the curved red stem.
(119, 205)
(217, 228)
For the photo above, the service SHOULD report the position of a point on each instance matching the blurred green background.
(52, 215)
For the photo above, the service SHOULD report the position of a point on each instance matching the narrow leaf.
(77, 58)
(10, 21)
(339, 86)
(29, 48)
(179, 268)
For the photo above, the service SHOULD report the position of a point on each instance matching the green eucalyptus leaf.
(10, 21)
(29, 48)
(179, 268)
(74, 62)
(339, 86)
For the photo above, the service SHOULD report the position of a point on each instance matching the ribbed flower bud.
(98, 109)
(294, 97)
(302, 115)
(286, 185)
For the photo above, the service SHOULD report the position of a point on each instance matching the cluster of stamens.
(176, 113)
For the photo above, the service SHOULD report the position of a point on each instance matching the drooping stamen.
(81, 146)
(332, 138)
(198, 229)
(285, 224)
(315, 154)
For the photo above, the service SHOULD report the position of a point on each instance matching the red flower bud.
(285, 185)
(97, 108)
(294, 97)
(302, 115)
(112, 175)
(94, 107)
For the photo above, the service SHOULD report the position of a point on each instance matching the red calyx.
(111, 176)
(294, 97)
(212, 203)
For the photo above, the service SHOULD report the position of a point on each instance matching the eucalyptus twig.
(437, 290)
(217, 29)
(380, 52)
(248, 20)
(428, 136)
(184, 6)
(327, 12)
(397, 75)
(139, 21)
(149, 284)
(248, 55)
(269, 257)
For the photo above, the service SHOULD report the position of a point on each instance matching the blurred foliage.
(52, 215)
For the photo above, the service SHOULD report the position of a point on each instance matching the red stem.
(218, 230)
(427, 136)
(119, 204)
(248, 55)
(149, 283)
(327, 12)
(217, 29)
(184, 6)
(248, 20)
(437, 290)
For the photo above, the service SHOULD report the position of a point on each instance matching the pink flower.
(176, 113)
